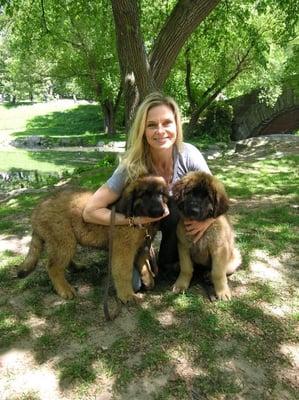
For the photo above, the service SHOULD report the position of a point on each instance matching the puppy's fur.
(200, 196)
(58, 226)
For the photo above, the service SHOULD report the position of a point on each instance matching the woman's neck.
(163, 164)
(162, 159)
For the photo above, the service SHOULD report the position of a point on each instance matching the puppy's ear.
(178, 191)
(126, 203)
(221, 201)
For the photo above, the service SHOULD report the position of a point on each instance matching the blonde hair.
(137, 160)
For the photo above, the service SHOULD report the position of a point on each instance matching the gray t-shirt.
(186, 160)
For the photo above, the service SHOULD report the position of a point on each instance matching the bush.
(217, 123)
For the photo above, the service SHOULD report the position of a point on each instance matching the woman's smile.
(160, 128)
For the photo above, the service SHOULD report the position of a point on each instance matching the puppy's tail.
(235, 261)
(33, 255)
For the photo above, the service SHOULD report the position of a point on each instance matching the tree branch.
(44, 17)
(185, 17)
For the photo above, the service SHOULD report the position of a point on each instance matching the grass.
(170, 346)
(45, 119)
(57, 123)
(47, 161)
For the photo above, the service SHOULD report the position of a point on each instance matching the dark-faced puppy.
(200, 196)
(58, 225)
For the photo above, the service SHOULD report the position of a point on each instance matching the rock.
(34, 141)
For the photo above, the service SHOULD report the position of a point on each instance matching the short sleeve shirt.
(189, 158)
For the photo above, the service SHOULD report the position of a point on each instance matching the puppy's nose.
(157, 210)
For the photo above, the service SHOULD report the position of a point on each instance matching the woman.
(155, 146)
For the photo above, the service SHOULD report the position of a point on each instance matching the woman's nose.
(160, 128)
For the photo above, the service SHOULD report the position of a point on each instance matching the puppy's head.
(200, 196)
(145, 197)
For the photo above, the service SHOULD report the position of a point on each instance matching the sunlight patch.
(266, 267)
(20, 375)
(14, 243)
(281, 311)
(186, 369)
(166, 318)
(292, 352)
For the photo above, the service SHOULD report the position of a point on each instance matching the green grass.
(11, 329)
(57, 123)
(45, 119)
(261, 178)
(47, 161)
(175, 346)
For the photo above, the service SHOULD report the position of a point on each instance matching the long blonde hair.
(137, 160)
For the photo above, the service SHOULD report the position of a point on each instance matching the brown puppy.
(200, 196)
(58, 225)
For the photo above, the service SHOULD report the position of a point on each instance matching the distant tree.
(76, 40)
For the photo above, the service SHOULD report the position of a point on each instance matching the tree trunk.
(139, 75)
(137, 79)
(109, 117)
(191, 128)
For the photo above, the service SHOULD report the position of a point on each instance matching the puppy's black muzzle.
(149, 206)
(195, 209)
(157, 210)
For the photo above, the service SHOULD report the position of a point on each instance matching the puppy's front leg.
(186, 269)
(218, 274)
(122, 272)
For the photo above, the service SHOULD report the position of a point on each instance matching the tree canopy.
(196, 50)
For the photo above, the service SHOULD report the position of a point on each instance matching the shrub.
(217, 122)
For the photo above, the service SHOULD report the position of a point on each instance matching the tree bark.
(139, 75)
(109, 117)
(137, 79)
(183, 20)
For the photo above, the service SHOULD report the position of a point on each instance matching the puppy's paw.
(127, 297)
(224, 294)
(66, 291)
(180, 286)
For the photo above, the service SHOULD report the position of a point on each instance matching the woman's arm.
(96, 210)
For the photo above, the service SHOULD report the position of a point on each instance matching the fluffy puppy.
(200, 196)
(58, 226)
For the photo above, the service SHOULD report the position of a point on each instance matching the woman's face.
(160, 127)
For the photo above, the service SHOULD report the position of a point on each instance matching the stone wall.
(252, 118)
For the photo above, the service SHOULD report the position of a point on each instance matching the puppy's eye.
(188, 192)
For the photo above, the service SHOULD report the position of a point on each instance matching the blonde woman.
(155, 146)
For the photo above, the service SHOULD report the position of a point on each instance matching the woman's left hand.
(197, 228)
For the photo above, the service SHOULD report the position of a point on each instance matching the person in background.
(155, 146)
